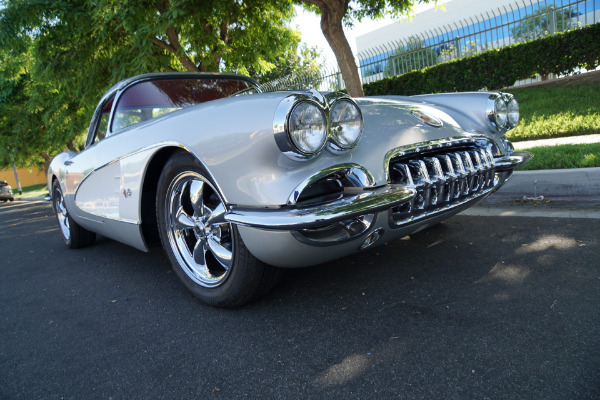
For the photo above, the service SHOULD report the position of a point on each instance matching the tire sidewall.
(56, 189)
(237, 288)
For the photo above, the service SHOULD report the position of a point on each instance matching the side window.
(103, 123)
(102, 126)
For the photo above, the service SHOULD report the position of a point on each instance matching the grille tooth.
(438, 181)
(424, 184)
(405, 174)
(478, 178)
(445, 179)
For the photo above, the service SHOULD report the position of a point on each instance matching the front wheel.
(74, 235)
(205, 250)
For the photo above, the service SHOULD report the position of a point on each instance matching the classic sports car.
(237, 183)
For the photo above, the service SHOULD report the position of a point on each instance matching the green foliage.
(57, 57)
(545, 21)
(557, 111)
(413, 55)
(374, 9)
(564, 156)
(559, 54)
(297, 60)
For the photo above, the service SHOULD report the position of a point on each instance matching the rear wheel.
(74, 235)
(205, 250)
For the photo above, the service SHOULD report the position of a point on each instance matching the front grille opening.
(443, 178)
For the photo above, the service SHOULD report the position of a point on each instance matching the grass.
(557, 111)
(564, 156)
(32, 191)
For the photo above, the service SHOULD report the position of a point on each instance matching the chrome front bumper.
(295, 236)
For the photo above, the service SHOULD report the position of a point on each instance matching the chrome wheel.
(198, 234)
(61, 214)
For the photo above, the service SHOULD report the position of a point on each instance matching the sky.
(309, 26)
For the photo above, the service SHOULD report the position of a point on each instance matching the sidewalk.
(584, 139)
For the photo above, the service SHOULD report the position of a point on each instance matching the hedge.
(560, 53)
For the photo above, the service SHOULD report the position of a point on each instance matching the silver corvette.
(237, 183)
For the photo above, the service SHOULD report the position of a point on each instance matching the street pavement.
(474, 308)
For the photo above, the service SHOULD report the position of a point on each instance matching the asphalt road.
(475, 308)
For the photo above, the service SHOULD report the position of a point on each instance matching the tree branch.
(175, 49)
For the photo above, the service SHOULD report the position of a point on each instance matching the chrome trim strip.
(513, 160)
(286, 218)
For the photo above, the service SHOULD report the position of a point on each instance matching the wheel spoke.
(62, 207)
(199, 234)
(184, 221)
(217, 216)
(196, 197)
(199, 252)
(222, 254)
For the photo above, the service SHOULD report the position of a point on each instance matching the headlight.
(307, 128)
(513, 111)
(346, 124)
(500, 112)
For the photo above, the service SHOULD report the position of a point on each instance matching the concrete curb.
(581, 183)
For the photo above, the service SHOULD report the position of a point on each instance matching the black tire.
(74, 235)
(206, 252)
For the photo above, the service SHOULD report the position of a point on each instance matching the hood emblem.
(427, 118)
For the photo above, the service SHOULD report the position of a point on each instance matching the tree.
(413, 55)
(76, 49)
(336, 13)
(545, 21)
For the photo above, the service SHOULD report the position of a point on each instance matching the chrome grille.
(443, 179)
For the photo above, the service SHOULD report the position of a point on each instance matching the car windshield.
(150, 99)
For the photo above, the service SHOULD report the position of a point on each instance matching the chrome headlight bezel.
(336, 128)
(498, 112)
(513, 114)
(283, 126)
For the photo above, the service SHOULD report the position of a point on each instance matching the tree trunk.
(47, 160)
(14, 167)
(332, 13)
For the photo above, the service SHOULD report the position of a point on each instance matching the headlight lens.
(346, 124)
(513, 112)
(500, 112)
(307, 128)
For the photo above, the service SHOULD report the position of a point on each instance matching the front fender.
(57, 169)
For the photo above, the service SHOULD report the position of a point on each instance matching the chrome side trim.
(355, 204)
(513, 160)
